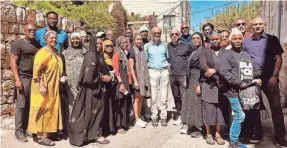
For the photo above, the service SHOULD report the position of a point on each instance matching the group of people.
(88, 87)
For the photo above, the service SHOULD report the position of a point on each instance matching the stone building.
(168, 13)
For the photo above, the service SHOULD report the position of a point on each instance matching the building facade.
(168, 13)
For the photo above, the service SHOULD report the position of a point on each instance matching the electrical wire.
(213, 7)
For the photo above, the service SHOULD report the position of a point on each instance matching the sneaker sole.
(281, 146)
(254, 141)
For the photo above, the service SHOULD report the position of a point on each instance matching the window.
(168, 21)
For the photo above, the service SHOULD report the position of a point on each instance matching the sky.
(196, 6)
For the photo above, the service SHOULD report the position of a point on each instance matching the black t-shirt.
(25, 50)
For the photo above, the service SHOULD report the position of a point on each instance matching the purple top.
(263, 52)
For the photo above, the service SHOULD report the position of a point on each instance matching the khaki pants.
(159, 80)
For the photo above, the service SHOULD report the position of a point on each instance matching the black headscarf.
(201, 36)
(93, 43)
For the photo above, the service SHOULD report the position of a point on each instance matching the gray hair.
(46, 35)
(235, 31)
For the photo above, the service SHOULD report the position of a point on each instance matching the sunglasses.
(184, 28)
(157, 33)
(239, 24)
(172, 34)
(31, 30)
(109, 46)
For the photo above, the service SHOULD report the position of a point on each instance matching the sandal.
(121, 131)
(105, 141)
(46, 142)
(219, 140)
(209, 140)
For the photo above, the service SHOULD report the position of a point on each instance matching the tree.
(94, 13)
(224, 19)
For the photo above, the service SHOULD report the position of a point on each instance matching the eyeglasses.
(172, 34)
(156, 33)
(109, 46)
(184, 28)
(239, 24)
(256, 24)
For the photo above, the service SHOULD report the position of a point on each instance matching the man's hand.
(137, 86)
(272, 82)
(209, 72)
(257, 81)
(18, 84)
(106, 78)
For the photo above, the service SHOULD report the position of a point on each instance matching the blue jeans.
(238, 118)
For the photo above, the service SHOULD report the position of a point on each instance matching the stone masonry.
(13, 21)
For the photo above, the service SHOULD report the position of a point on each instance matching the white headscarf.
(76, 34)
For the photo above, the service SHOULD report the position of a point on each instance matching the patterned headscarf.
(46, 35)
(123, 56)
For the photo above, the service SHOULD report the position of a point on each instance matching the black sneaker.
(21, 136)
(281, 142)
(154, 122)
(163, 122)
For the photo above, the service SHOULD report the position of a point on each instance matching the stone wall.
(13, 21)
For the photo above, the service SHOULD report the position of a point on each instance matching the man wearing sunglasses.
(266, 51)
(22, 57)
(62, 36)
(178, 52)
(185, 36)
(240, 23)
(157, 55)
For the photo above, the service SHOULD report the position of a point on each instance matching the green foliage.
(224, 19)
(134, 18)
(94, 13)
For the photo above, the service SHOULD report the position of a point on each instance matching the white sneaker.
(141, 124)
(183, 129)
(178, 121)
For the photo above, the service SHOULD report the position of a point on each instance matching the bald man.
(157, 55)
(185, 35)
(265, 50)
(178, 52)
(22, 56)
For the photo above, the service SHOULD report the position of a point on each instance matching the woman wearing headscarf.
(88, 109)
(109, 118)
(141, 84)
(122, 70)
(73, 58)
(45, 109)
(211, 89)
(192, 106)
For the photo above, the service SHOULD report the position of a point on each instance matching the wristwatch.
(275, 74)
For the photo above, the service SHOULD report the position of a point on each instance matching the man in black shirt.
(22, 58)
(178, 53)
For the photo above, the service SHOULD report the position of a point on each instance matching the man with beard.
(144, 33)
(266, 51)
(62, 36)
(178, 52)
(22, 57)
(129, 34)
(185, 36)
(157, 55)
(207, 30)
(240, 23)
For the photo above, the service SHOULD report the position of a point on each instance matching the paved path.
(150, 137)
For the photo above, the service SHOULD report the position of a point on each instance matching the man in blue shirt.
(62, 36)
(157, 55)
(265, 51)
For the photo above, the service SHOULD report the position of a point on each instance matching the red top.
(116, 66)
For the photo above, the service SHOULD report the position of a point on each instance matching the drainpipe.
(278, 18)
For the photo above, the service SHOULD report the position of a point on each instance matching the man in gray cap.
(144, 33)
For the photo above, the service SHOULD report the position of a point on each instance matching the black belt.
(163, 68)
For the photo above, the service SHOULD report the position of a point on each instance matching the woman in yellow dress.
(45, 108)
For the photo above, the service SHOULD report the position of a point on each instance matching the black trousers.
(273, 98)
(22, 105)
(178, 84)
